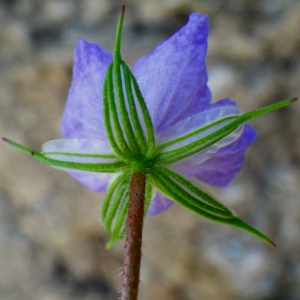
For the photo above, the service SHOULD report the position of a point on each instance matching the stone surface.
(52, 244)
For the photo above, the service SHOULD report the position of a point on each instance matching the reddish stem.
(133, 243)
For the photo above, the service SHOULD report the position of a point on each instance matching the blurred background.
(51, 239)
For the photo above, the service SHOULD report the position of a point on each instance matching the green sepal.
(115, 208)
(182, 191)
(126, 117)
(148, 195)
(110, 167)
(139, 114)
(192, 148)
(114, 130)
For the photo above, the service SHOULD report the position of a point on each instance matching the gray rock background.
(51, 239)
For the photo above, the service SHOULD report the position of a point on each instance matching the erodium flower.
(157, 119)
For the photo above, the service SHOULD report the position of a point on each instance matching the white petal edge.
(55, 149)
(195, 122)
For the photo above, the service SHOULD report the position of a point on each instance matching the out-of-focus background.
(51, 239)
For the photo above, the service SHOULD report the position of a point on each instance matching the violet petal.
(173, 77)
(222, 166)
(98, 185)
(159, 204)
(83, 115)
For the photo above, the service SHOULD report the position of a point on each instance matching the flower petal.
(197, 127)
(87, 150)
(83, 115)
(96, 151)
(221, 167)
(173, 77)
(95, 184)
(159, 204)
(213, 112)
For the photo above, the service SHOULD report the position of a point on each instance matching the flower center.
(141, 163)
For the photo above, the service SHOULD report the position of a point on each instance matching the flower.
(157, 119)
(173, 82)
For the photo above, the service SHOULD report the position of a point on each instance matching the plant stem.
(133, 243)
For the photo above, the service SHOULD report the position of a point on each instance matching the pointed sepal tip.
(117, 51)
(294, 100)
(123, 9)
(18, 146)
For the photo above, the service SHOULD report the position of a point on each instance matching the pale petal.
(95, 181)
(62, 148)
(212, 113)
(220, 111)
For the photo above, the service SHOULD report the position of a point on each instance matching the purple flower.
(173, 82)
(157, 120)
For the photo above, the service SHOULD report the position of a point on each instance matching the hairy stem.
(133, 243)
